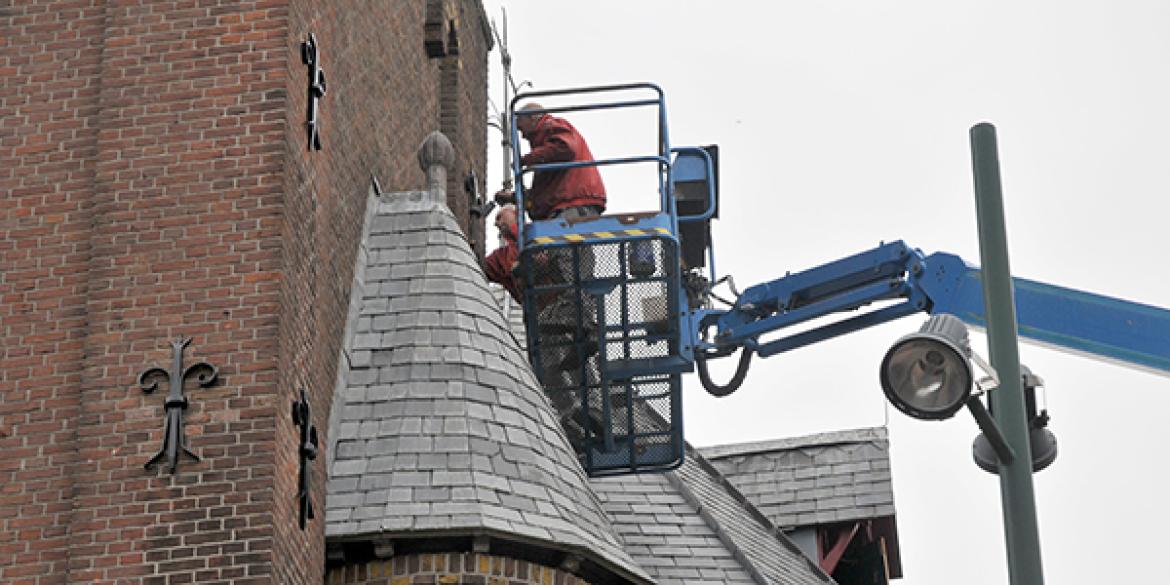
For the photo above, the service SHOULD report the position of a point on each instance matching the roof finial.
(436, 156)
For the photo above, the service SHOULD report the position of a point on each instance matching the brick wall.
(49, 65)
(454, 569)
(460, 41)
(185, 243)
(371, 72)
(158, 185)
(382, 101)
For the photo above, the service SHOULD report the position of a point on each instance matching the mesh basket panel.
(630, 426)
(596, 311)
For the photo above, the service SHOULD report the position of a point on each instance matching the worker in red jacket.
(500, 265)
(568, 193)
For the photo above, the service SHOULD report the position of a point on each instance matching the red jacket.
(556, 140)
(497, 266)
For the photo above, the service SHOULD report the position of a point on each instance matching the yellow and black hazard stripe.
(599, 235)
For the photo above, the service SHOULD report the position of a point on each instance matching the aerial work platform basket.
(605, 315)
(602, 317)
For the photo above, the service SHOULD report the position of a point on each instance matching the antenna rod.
(505, 117)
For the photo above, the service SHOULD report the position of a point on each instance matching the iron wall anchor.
(310, 57)
(174, 442)
(307, 449)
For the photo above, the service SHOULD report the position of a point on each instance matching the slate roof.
(440, 426)
(819, 479)
(664, 532)
(513, 314)
(690, 526)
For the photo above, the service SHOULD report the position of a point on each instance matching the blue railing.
(709, 167)
(662, 157)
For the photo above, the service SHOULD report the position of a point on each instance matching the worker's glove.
(505, 196)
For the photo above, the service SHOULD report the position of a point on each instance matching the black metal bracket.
(174, 443)
(307, 450)
(310, 57)
(479, 208)
(991, 430)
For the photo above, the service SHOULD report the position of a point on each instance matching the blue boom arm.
(1107, 328)
(617, 307)
(904, 281)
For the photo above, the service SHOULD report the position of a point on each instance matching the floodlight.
(928, 374)
(1041, 441)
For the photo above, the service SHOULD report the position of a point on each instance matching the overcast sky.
(843, 124)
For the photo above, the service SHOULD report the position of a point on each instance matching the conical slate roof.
(441, 428)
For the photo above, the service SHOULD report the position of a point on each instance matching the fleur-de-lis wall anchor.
(310, 57)
(174, 443)
(307, 450)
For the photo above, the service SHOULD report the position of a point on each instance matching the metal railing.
(662, 157)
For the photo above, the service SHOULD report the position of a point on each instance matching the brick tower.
(160, 183)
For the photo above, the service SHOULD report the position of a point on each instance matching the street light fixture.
(1040, 439)
(928, 374)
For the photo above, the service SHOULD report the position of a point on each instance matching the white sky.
(844, 123)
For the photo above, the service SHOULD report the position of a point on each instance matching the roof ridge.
(724, 536)
(713, 522)
(860, 435)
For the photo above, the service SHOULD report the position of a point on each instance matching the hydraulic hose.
(745, 359)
